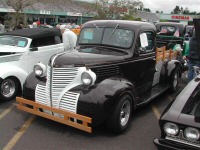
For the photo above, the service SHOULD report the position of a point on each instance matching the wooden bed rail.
(82, 122)
(163, 54)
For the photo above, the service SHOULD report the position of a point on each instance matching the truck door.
(144, 68)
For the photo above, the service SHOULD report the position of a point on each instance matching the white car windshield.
(13, 41)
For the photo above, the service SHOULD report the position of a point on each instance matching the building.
(51, 13)
(147, 16)
(181, 18)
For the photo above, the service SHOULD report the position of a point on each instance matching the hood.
(87, 59)
(177, 111)
(11, 49)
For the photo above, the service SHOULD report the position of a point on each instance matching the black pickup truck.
(114, 69)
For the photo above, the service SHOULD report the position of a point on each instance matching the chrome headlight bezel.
(40, 70)
(86, 78)
(192, 134)
(171, 129)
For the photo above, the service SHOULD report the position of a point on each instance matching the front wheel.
(9, 89)
(120, 118)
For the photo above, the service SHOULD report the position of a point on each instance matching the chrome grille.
(61, 77)
(183, 140)
(69, 101)
(48, 84)
(40, 96)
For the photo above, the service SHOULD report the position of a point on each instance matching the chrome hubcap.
(125, 112)
(8, 88)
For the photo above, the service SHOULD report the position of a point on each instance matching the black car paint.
(134, 75)
(175, 113)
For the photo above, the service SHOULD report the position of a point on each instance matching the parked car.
(115, 70)
(20, 50)
(169, 34)
(180, 122)
(172, 35)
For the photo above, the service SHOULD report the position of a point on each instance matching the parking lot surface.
(22, 131)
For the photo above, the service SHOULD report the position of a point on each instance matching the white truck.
(20, 50)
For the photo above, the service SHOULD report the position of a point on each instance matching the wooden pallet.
(82, 122)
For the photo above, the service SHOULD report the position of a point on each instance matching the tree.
(115, 10)
(18, 6)
(186, 11)
(146, 9)
(177, 10)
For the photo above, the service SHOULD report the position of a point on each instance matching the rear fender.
(171, 65)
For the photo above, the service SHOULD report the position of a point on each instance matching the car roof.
(132, 25)
(35, 32)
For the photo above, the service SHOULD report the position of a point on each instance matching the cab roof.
(132, 25)
(35, 32)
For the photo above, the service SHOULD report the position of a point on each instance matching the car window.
(147, 39)
(58, 40)
(13, 41)
(39, 42)
(107, 36)
(192, 107)
(117, 37)
(91, 36)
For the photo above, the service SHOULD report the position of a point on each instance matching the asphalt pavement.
(22, 131)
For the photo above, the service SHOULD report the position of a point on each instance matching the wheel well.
(19, 84)
(132, 97)
(178, 66)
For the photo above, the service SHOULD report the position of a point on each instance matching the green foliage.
(116, 10)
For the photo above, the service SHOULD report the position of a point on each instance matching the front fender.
(11, 70)
(30, 86)
(171, 65)
(99, 100)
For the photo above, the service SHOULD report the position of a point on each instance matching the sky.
(168, 5)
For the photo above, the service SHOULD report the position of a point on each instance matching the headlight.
(86, 78)
(191, 134)
(171, 129)
(40, 70)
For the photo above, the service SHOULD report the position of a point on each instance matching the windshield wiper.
(96, 26)
(113, 31)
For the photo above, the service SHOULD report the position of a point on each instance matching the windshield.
(169, 31)
(13, 41)
(192, 106)
(107, 36)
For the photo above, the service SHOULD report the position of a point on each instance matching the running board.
(155, 92)
(81, 122)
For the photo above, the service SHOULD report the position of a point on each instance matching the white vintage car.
(20, 50)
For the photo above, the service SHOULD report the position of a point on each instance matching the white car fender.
(14, 71)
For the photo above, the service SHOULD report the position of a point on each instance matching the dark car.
(169, 34)
(180, 122)
(115, 69)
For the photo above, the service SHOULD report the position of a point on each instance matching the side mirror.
(34, 49)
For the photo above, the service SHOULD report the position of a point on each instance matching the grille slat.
(57, 80)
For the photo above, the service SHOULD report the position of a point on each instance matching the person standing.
(2, 28)
(193, 56)
(19, 26)
(69, 38)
